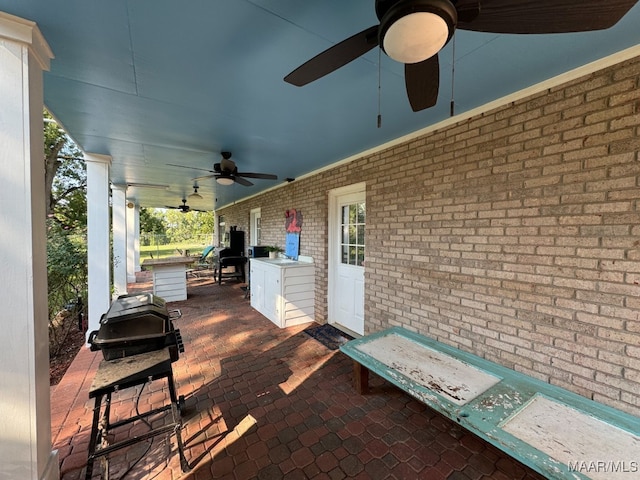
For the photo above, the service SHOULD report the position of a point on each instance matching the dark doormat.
(328, 335)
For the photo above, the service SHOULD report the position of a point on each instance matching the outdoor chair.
(230, 258)
(203, 263)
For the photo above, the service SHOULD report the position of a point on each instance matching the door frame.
(333, 224)
(254, 214)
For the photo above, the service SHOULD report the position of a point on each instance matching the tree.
(162, 226)
(183, 226)
(65, 177)
(66, 207)
(151, 221)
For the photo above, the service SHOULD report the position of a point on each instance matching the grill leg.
(104, 427)
(177, 418)
(93, 440)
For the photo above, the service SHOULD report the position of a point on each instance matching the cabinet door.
(257, 287)
(272, 294)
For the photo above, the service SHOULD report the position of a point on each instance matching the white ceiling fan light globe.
(416, 37)
(224, 180)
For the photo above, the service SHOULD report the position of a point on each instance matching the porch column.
(25, 411)
(98, 237)
(119, 228)
(136, 241)
(131, 242)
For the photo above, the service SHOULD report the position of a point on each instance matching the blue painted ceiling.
(157, 82)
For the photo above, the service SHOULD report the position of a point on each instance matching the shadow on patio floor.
(269, 403)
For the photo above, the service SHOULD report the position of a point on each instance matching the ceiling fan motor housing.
(412, 31)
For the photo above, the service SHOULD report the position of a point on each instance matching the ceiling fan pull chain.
(453, 73)
(379, 88)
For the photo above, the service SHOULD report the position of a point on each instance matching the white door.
(347, 220)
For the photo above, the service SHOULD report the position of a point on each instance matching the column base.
(52, 470)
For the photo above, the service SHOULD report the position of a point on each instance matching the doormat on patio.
(328, 335)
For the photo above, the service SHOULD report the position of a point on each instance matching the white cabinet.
(283, 290)
(169, 277)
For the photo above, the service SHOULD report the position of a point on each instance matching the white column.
(136, 241)
(131, 242)
(119, 229)
(25, 411)
(98, 237)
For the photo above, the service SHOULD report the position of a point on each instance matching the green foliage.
(158, 246)
(65, 184)
(173, 226)
(67, 281)
(182, 226)
(152, 221)
(66, 265)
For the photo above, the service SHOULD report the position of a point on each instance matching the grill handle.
(175, 314)
(92, 336)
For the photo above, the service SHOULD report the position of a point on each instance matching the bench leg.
(361, 378)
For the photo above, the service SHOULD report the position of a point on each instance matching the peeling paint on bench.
(567, 434)
(498, 408)
(454, 379)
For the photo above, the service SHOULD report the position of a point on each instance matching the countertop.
(150, 262)
(283, 262)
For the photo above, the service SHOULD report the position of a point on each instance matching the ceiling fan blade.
(467, 10)
(204, 177)
(546, 16)
(266, 176)
(191, 168)
(242, 181)
(422, 81)
(334, 58)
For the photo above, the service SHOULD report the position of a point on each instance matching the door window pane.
(353, 234)
(345, 254)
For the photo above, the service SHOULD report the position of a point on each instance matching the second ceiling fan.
(414, 31)
(226, 172)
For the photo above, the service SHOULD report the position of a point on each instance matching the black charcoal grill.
(136, 324)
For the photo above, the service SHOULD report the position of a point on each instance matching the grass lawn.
(171, 250)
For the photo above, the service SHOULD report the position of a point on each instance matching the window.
(353, 223)
(222, 234)
(256, 227)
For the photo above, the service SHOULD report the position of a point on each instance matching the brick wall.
(514, 234)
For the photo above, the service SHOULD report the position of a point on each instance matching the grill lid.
(143, 305)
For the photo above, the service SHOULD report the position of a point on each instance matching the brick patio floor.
(269, 403)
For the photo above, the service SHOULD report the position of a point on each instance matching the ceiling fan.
(414, 31)
(184, 208)
(226, 172)
(195, 193)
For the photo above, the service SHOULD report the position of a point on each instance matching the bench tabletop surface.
(554, 431)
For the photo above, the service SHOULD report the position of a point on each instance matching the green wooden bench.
(557, 433)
